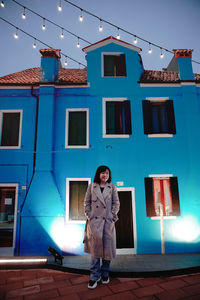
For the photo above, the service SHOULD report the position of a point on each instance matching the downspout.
(34, 162)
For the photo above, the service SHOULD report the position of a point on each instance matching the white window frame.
(162, 176)
(20, 126)
(102, 64)
(9, 251)
(67, 126)
(68, 180)
(159, 135)
(104, 100)
(130, 250)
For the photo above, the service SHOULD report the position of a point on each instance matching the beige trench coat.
(101, 210)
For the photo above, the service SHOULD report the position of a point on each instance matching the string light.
(66, 62)
(161, 54)
(62, 34)
(45, 44)
(2, 4)
(34, 44)
(135, 41)
(150, 49)
(24, 14)
(118, 35)
(53, 23)
(16, 36)
(81, 16)
(100, 26)
(43, 25)
(78, 43)
(60, 6)
(97, 17)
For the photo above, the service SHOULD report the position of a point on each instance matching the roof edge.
(109, 40)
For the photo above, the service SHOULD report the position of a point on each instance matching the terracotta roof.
(79, 76)
(151, 76)
(32, 76)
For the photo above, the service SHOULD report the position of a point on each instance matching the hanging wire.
(51, 22)
(36, 39)
(121, 29)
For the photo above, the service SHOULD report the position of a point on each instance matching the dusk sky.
(171, 24)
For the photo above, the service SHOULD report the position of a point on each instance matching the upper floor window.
(162, 190)
(116, 117)
(77, 125)
(114, 65)
(10, 128)
(158, 117)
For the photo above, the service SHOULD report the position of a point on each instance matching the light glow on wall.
(68, 237)
(186, 229)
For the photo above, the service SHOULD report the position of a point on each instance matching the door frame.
(9, 251)
(130, 250)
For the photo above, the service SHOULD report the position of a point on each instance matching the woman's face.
(104, 176)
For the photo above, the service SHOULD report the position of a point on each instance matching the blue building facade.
(58, 125)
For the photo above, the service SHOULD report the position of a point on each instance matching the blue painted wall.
(130, 159)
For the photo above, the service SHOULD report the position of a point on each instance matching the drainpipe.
(34, 161)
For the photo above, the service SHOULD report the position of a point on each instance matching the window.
(7, 214)
(114, 65)
(75, 198)
(158, 117)
(77, 128)
(117, 117)
(162, 191)
(10, 128)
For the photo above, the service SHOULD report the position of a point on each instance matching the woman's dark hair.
(99, 170)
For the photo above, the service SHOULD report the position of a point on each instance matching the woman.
(101, 208)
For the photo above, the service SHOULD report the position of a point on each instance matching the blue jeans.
(97, 271)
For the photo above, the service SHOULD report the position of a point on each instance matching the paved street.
(41, 284)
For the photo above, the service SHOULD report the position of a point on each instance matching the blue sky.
(171, 24)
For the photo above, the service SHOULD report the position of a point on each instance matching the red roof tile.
(159, 76)
(151, 76)
(32, 76)
(79, 76)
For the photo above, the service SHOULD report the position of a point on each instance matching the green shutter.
(10, 129)
(108, 65)
(77, 190)
(77, 128)
(110, 117)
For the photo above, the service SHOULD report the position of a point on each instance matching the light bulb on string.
(43, 25)
(100, 26)
(161, 54)
(60, 6)
(2, 4)
(81, 16)
(78, 43)
(24, 14)
(62, 34)
(150, 49)
(16, 36)
(135, 41)
(118, 35)
(34, 44)
(65, 63)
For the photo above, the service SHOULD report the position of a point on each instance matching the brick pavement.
(41, 284)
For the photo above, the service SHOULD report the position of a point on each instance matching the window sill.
(75, 222)
(77, 147)
(116, 136)
(160, 135)
(165, 218)
(10, 147)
